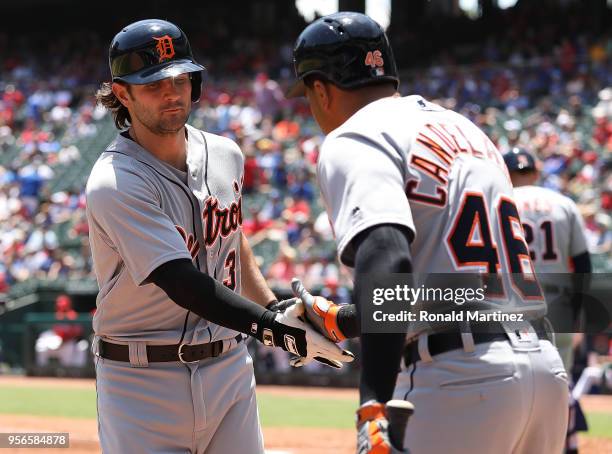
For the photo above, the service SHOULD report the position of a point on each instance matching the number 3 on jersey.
(230, 266)
(471, 244)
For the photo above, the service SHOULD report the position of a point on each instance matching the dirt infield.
(47, 382)
(84, 437)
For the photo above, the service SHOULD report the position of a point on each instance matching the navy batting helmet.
(519, 159)
(150, 50)
(348, 49)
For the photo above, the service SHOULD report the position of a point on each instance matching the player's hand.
(300, 338)
(373, 427)
(283, 305)
(298, 361)
(321, 313)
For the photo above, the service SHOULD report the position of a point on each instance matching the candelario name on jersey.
(437, 148)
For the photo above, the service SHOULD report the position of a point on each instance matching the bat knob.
(398, 414)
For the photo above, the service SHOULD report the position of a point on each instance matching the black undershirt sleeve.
(582, 263)
(348, 322)
(383, 249)
(201, 294)
(581, 283)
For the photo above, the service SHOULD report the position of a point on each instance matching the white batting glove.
(311, 345)
(321, 313)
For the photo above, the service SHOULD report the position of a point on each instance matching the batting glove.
(287, 331)
(281, 306)
(323, 314)
(297, 361)
(373, 430)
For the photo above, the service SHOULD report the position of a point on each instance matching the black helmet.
(151, 50)
(519, 159)
(348, 49)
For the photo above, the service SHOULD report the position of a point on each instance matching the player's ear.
(322, 93)
(121, 92)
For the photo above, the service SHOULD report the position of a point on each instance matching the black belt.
(165, 353)
(439, 343)
(556, 290)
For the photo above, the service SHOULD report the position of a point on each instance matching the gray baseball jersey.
(409, 162)
(434, 172)
(554, 229)
(142, 213)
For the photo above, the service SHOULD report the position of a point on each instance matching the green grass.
(600, 425)
(282, 411)
(68, 403)
(274, 410)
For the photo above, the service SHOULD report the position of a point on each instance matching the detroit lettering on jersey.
(193, 245)
(217, 221)
(221, 220)
(446, 142)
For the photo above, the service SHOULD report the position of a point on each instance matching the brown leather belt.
(166, 353)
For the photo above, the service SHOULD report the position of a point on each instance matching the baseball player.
(409, 185)
(554, 232)
(164, 206)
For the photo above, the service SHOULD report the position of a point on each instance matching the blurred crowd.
(555, 100)
(40, 125)
(557, 106)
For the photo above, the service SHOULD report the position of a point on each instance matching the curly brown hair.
(107, 98)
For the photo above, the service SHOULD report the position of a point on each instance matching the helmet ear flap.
(196, 86)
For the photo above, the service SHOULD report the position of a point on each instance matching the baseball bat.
(398, 413)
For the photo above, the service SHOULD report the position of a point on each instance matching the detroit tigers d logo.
(164, 47)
